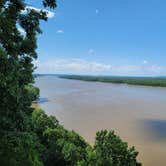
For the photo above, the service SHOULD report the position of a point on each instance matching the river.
(136, 113)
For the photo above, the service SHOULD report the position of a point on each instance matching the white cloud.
(21, 30)
(153, 69)
(60, 31)
(97, 11)
(138, 70)
(91, 51)
(49, 13)
(145, 62)
(81, 66)
(75, 66)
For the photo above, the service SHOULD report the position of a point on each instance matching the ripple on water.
(42, 100)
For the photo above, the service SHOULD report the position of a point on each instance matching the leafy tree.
(63, 147)
(110, 150)
(58, 145)
(33, 92)
(42, 122)
(17, 51)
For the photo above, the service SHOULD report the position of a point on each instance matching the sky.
(103, 37)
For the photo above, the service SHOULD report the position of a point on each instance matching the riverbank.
(144, 81)
(35, 105)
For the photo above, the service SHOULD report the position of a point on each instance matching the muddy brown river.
(136, 113)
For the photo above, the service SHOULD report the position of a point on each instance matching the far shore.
(142, 81)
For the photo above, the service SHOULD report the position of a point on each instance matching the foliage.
(60, 146)
(110, 150)
(33, 92)
(64, 147)
(17, 51)
(147, 81)
(30, 137)
(42, 122)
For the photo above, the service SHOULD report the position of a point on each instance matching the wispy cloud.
(49, 13)
(91, 51)
(138, 70)
(75, 66)
(81, 66)
(97, 11)
(60, 31)
(145, 62)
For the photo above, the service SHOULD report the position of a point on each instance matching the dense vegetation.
(58, 146)
(27, 135)
(146, 81)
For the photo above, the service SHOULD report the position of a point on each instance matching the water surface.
(136, 113)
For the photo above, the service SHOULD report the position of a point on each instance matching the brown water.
(136, 113)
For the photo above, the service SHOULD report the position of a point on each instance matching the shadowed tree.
(17, 51)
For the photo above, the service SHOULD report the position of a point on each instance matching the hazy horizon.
(106, 38)
(98, 75)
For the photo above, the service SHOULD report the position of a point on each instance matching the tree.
(33, 92)
(17, 52)
(58, 145)
(63, 147)
(110, 150)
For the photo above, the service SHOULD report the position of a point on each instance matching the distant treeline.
(146, 81)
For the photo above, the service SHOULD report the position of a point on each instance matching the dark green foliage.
(49, 3)
(111, 149)
(42, 122)
(146, 81)
(63, 147)
(17, 51)
(19, 149)
(33, 92)
(60, 146)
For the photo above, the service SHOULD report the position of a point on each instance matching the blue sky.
(105, 37)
